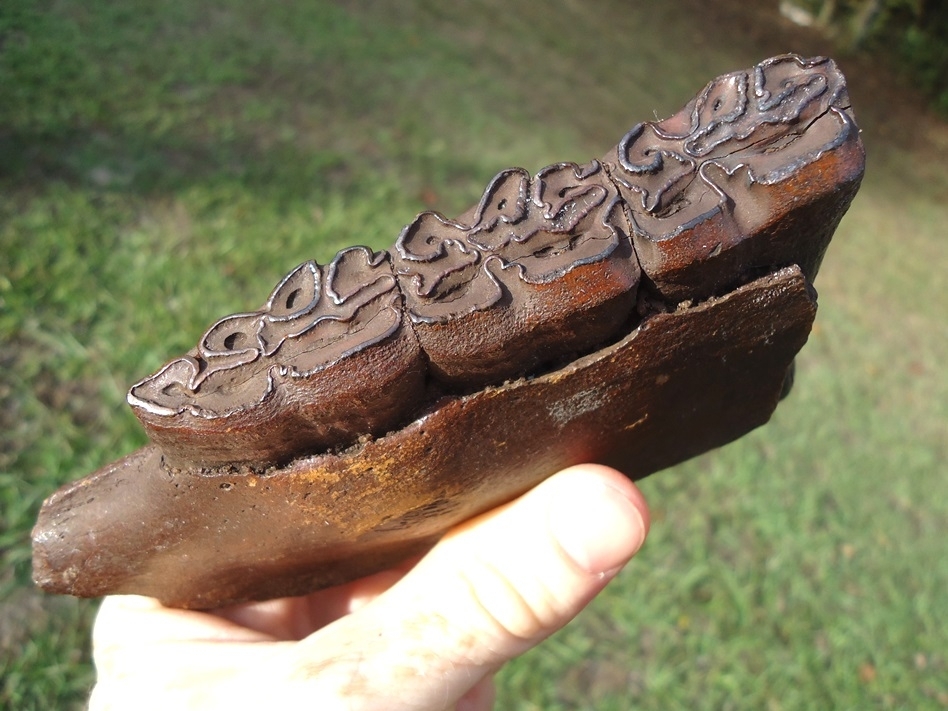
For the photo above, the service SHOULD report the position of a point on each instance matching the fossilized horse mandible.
(640, 309)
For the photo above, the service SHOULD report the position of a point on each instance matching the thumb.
(489, 591)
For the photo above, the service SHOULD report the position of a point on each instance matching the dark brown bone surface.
(638, 310)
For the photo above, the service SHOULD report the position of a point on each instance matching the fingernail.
(597, 525)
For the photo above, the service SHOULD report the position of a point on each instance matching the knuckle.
(521, 611)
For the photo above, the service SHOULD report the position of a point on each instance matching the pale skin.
(428, 635)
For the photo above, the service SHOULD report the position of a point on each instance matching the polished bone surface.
(638, 309)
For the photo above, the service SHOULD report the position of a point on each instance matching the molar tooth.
(541, 269)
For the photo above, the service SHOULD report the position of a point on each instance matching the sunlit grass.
(164, 164)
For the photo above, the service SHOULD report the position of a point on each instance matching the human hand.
(428, 635)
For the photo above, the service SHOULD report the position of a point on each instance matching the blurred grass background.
(164, 163)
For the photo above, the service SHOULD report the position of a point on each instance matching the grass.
(165, 163)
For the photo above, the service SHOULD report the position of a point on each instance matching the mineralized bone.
(637, 310)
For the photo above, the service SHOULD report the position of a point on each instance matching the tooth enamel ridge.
(543, 269)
